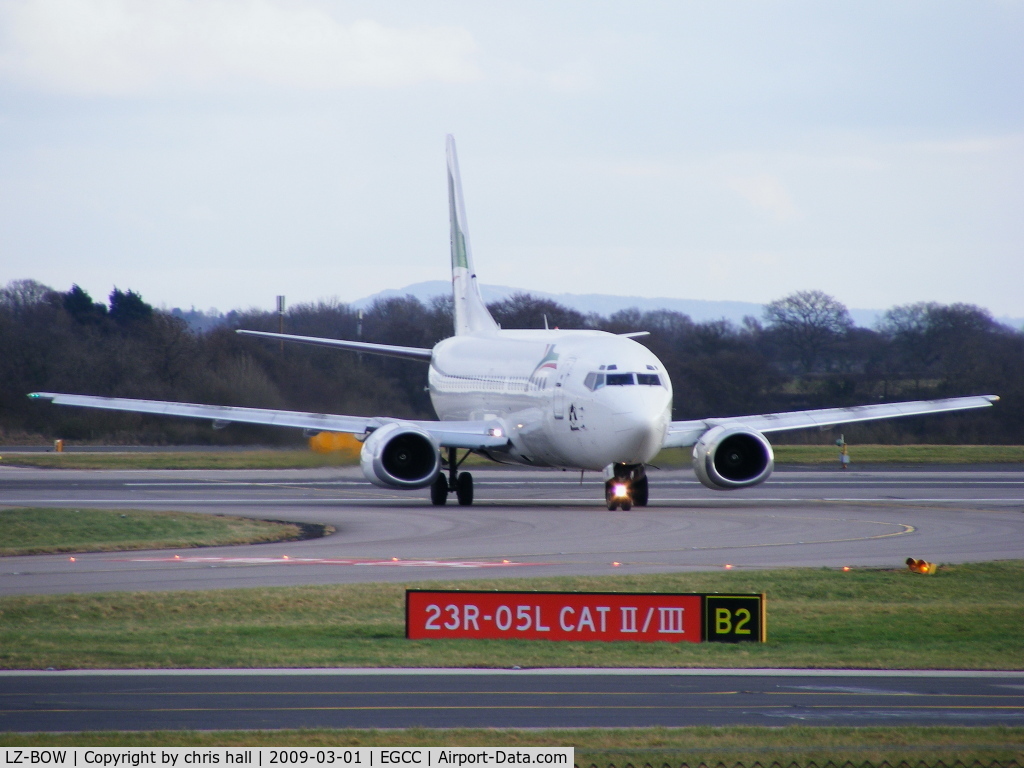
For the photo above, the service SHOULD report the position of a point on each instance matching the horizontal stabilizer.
(411, 353)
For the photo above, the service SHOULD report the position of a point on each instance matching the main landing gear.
(461, 483)
(626, 487)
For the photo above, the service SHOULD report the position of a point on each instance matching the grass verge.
(964, 617)
(212, 459)
(33, 531)
(303, 459)
(604, 747)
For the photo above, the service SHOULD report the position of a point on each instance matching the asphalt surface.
(525, 523)
(443, 699)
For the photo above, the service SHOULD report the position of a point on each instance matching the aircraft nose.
(640, 431)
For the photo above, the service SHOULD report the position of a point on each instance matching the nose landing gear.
(461, 483)
(626, 487)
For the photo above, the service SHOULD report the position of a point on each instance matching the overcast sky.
(215, 153)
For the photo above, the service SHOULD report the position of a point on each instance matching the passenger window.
(619, 379)
(651, 379)
(594, 381)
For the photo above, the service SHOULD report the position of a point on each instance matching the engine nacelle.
(400, 456)
(732, 457)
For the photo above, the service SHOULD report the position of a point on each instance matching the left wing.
(685, 433)
(449, 434)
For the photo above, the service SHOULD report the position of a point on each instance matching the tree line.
(804, 352)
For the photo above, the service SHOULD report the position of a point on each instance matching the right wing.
(413, 353)
(472, 435)
(686, 433)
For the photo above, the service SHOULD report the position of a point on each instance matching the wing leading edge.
(682, 434)
(449, 434)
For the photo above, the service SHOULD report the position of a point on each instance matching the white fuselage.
(575, 399)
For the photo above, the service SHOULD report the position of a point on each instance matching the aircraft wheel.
(626, 506)
(640, 492)
(464, 488)
(439, 491)
(609, 496)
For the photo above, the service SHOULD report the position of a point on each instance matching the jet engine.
(400, 456)
(732, 457)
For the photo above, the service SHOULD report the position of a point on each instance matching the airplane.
(570, 399)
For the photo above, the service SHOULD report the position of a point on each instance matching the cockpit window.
(594, 380)
(619, 379)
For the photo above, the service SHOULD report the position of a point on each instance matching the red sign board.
(576, 616)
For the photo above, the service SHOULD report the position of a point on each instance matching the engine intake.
(400, 456)
(732, 457)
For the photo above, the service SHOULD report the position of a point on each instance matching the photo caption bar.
(257, 757)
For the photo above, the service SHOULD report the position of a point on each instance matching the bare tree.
(810, 324)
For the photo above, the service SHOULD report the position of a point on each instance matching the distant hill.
(699, 310)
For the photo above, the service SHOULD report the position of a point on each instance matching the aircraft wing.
(414, 353)
(449, 434)
(685, 433)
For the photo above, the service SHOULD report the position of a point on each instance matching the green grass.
(965, 616)
(212, 459)
(304, 459)
(604, 747)
(902, 454)
(875, 454)
(32, 531)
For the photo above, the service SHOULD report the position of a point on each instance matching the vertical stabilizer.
(471, 315)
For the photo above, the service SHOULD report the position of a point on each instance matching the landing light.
(620, 490)
(494, 432)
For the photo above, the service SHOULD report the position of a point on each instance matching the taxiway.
(525, 524)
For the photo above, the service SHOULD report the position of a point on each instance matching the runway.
(525, 523)
(221, 700)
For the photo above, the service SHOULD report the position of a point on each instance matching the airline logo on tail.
(459, 258)
(550, 360)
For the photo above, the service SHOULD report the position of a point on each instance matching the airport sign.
(584, 616)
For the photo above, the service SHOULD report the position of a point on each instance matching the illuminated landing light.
(620, 491)
(495, 432)
(177, 557)
(616, 564)
(71, 559)
(284, 557)
(505, 562)
(846, 567)
(394, 559)
(728, 567)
